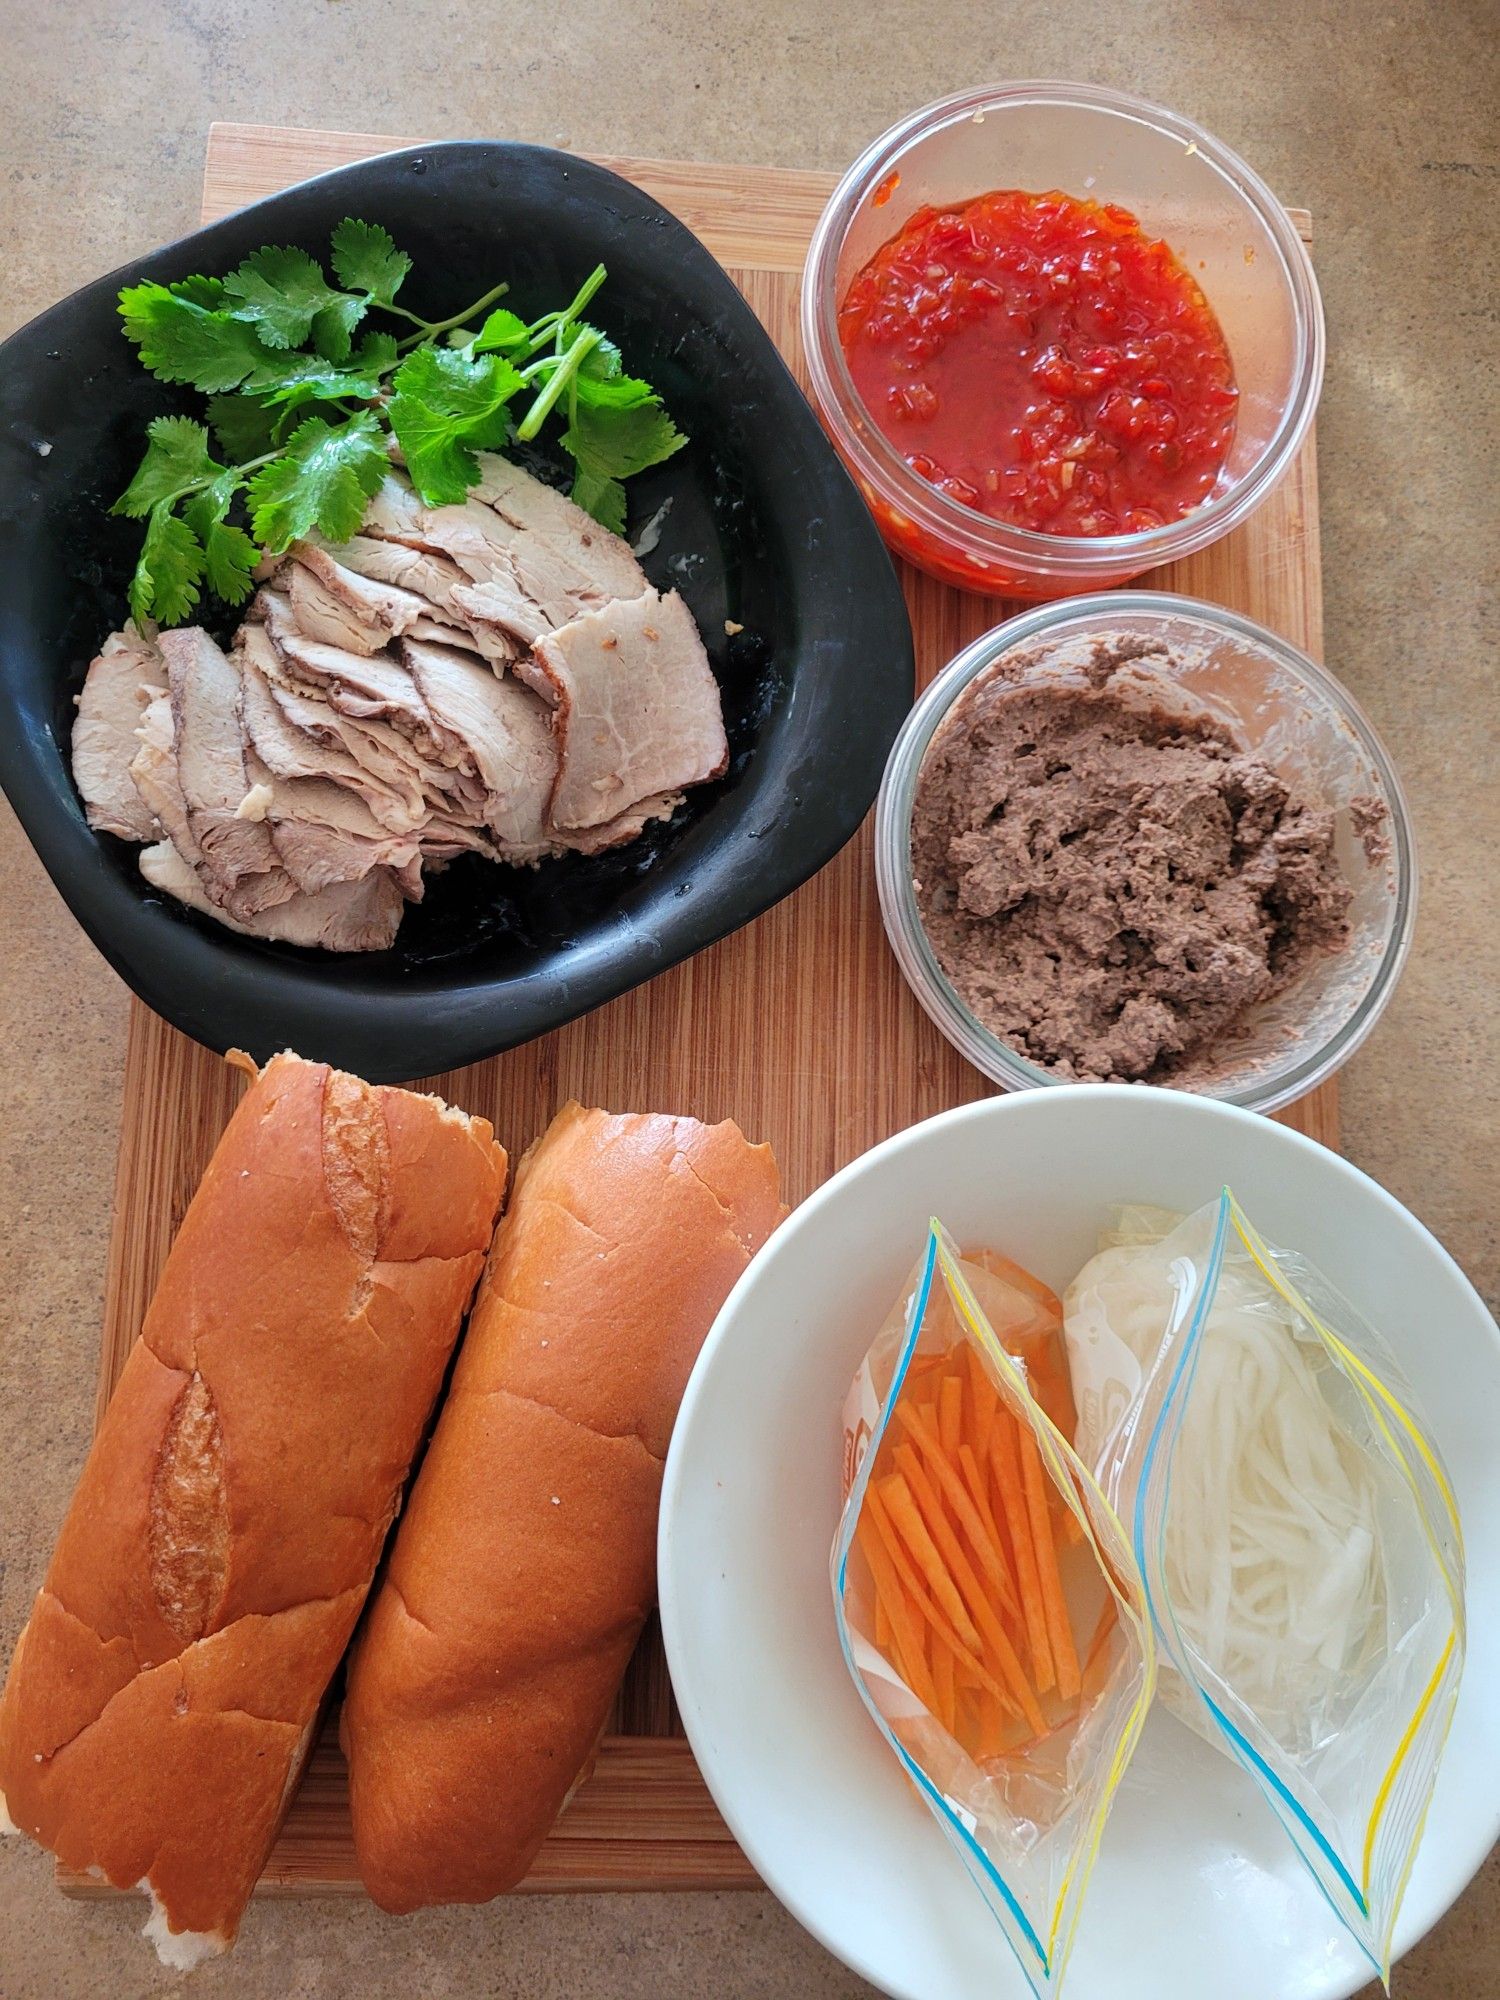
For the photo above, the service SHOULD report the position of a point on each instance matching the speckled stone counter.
(1378, 119)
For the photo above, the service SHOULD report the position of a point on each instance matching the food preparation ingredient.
(965, 1533)
(301, 421)
(1042, 360)
(494, 677)
(1272, 1551)
(1108, 877)
(226, 1526)
(524, 1566)
(987, 1603)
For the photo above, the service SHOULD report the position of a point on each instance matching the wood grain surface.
(800, 1027)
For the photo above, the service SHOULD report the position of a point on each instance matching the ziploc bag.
(986, 1597)
(1296, 1531)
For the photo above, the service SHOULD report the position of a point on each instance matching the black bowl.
(765, 531)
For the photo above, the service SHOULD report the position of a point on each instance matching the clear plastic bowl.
(1226, 227)
(1290, 712)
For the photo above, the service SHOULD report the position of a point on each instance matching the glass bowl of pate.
(1137, 838)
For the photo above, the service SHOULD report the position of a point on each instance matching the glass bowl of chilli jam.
(1059, 336)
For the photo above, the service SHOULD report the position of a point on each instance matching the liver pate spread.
(1107, 876)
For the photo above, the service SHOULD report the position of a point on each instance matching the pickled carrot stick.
(970, 1589)
(912, 1529)
(919, 1424)
(942, 1681)
(984, 1400)
(1005, 1464)
(875, 1507)
(950, 1413)
(911, 1662)
(1059, 1629)
(883, 1627)
(976, 1488)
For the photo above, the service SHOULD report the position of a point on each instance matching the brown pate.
(1107, 875)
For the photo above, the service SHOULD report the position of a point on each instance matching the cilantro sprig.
(301, 418)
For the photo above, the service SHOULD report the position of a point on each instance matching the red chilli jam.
(1045, 362)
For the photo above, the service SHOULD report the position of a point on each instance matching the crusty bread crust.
(525, 1564)
(226, 1526)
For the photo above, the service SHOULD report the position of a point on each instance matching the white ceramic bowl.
(1196, 1890)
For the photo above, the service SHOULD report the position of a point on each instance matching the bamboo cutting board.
(799, 1027)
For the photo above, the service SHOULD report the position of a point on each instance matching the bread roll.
(223, 1535)
(525, 1564)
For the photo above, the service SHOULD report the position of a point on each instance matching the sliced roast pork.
(534, 560)
(509, 734)
(238, 864)
(367, 686)
(597, 565)
(123, 677)
(638, 709)
(349, 916)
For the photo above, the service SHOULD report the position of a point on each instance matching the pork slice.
(503, 619)
(601, 564)
(385, 767)
(153, 772)
(416, 571)
(294, 751)
(348, 916)
(638, 710)
(324, 833)
(123, 676)
(367, 686)
(509, 734)
(530, 582)
(329, 590)
(627, 826)
(238, 864)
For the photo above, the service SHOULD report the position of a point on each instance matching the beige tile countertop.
(1380, 119)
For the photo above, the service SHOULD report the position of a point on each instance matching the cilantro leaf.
(165, 584)
(199, 291)
(360, 376)
(181, 341)
(231, 557)
(444, 406)
(282, 291)
(366, 260)
(322, 481)
(177, 455)
(610, 445)
(241, 424)
(502, 331)
(333, 329)
(602, 380)
(212, 504)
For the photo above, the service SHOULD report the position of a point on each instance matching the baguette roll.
(525, 1565)
(223, 1535)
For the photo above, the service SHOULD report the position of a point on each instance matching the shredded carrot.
(942, 1681)
(911, 1660)
(1059, 1630)
(912, 1529)
(1005, 1464)
(883, 1628)
(950, 1413)
(983, 1401)
(970, 1589)
(975, 1486)
(875, 1507)
(918, 1422)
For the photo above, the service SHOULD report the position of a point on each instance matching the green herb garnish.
(300, 417)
